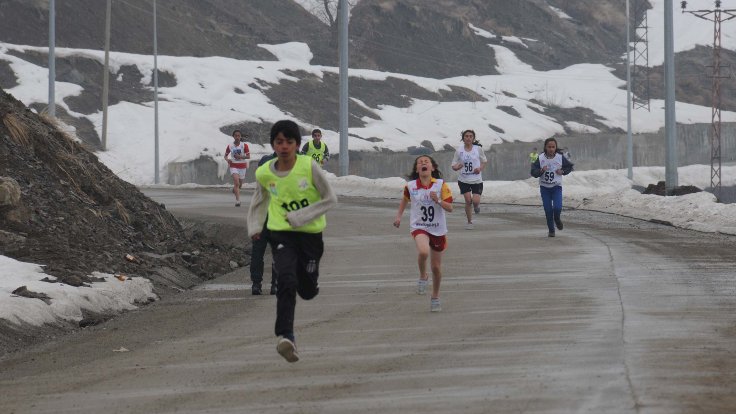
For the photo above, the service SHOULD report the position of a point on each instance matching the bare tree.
(326, 11)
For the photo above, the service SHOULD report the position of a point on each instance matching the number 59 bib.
(550, 178)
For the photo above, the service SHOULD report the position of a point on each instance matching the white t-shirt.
(425, 213)
(470, 160)
(550, 178)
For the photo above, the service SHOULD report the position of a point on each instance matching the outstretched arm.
(402, 207)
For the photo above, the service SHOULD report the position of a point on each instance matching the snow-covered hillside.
(214, 92)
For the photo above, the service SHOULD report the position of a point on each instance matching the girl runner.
(470, 160)
(430, 197)
(549, 168)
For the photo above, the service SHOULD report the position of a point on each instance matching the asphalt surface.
(614, 315)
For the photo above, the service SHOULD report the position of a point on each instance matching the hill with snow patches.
(202, 99)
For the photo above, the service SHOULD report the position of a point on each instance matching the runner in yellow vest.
(292, 196)
(534, 155)
(316, 148)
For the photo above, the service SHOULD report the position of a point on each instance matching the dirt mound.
(659, 189)
(61, 207)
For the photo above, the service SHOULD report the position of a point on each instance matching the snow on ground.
(600, 190)
(608, 191)
(65, 302)
(205, 99)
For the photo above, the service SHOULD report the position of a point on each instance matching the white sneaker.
(421, 287)
(287, 349)
(434, 305)
(469, 226)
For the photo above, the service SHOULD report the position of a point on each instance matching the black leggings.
(296, 259)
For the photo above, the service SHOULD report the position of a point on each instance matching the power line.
(717, 16)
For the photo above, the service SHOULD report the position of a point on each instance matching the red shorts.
(436, 243)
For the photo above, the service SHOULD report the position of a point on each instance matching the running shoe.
(287, 349)
(237, 204)
(476, 209)
(551, 234)
(421, 287)
(558, 223)
(255, 289)
(469, 226)
(435, 305)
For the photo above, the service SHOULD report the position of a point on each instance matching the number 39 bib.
(550, 178)
(425, 213)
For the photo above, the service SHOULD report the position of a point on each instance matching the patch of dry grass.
(122, 212)
(18, 129)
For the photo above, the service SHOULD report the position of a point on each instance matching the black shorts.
(475, 188)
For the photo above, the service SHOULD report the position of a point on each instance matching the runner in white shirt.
(429, 198)
(470, 160)
(237, 155)
(549, 168)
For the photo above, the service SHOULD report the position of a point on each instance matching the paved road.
(612, 316)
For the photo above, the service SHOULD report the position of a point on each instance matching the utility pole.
(155, 92)
(52, 58)
(106, 75)
(343, 53)
(717, 16)
(640, 69)
(629, 137)
(670, 125)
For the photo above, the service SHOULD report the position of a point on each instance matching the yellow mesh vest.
(316, 154)
(290, 193)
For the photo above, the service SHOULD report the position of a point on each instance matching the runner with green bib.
(316, 148)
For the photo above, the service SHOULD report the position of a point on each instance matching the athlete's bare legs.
(469, 206)
(436, 263)
(422, 242)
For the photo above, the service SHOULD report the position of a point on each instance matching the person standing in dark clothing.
(258, 250)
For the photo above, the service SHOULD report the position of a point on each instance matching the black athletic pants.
(258, 250)
(296, 259)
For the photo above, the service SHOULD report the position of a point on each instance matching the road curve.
(613, 315)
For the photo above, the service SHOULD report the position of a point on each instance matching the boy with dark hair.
(292, 196)
(316, 148)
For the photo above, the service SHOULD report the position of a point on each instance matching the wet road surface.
(613, 315)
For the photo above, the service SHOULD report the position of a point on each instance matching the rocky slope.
(62, 208)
